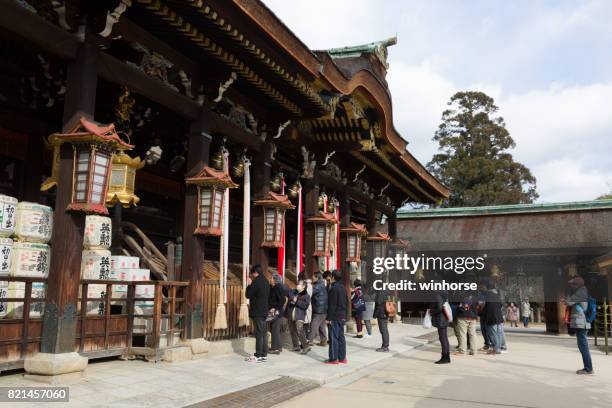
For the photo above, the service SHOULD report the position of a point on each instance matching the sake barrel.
(30, 259)
(8, 209)
(119, 262)
(95, 264)
(34, 222)
(14, 310)
(98, 231)
(3, 294)
(6, 247)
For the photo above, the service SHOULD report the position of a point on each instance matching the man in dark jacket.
(493, 318)
(440, 321)
(319, 310)
(380, 313)
(258, 292)
(337, 306)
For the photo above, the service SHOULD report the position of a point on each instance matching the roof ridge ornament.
(378, 48)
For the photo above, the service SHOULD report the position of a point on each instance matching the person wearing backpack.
(580, 314)
(466, 322)
(358, 307)
(440, 321)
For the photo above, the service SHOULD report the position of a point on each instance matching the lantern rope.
(243, 315)
(221, 313)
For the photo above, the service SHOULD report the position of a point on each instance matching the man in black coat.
(493, 318)
(380, 313)
(258, 292)
(337, 307)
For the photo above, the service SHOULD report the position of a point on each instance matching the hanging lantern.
(323, 232)
(274, 206)
(211, 185)
(321, 202)
(380, 241)
(93, 147)
(294, 190)
(276, 182)
(122, 180)
(354, 232)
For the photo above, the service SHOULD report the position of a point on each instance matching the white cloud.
(546, 66)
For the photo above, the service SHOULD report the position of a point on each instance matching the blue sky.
(548, 64)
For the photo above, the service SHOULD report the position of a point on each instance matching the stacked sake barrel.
(96, 258)
(126, 268)
(27, 254)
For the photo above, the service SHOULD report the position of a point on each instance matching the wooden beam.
(118, 72)
(133, 32)
(32, 27)
(336, 185)
(218, 124)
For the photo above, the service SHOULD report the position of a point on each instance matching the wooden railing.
(20, 319)
(234, 299)
(127, 323)
(113, 321)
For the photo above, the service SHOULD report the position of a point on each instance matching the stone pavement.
(144, 384)
(538, 372)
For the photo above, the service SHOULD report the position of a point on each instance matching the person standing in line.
(494, 320)
(297, 314)
(467, 319)
(278, 299)
(483, 325)
(258, 292)
(328, 279)
(578, 301)
(525, 312)
(337, 306)
(512, 314)
(368, 314)
(380, 312)
(319, 311)
(358, 307)
(440, 321)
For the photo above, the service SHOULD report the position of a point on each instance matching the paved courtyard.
(144, 384)
(537, 372)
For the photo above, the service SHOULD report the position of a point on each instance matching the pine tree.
(473, 159)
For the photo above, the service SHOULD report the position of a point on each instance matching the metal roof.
(505, 209)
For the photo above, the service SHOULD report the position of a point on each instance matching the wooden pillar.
(261, 172)
(609, 296)
(33, 167)
(311, 207)
(371, 225)
(59, 322)
(392, 225)
(194, 245)
(345, 221)
(554, 289)
(117, 216)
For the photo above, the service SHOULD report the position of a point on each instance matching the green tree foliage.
(473, 159)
